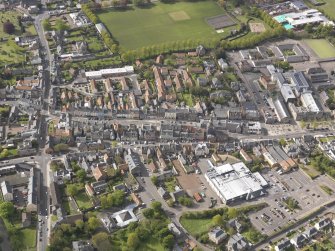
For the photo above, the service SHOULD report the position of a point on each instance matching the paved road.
(43, 159)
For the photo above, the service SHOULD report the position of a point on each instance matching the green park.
(160, 23)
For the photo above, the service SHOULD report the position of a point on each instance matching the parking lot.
(295, 185)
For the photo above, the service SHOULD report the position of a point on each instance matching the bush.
(185, 201)
(8, 27)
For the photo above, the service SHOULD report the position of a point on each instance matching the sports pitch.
(321, 47)
(161, 23)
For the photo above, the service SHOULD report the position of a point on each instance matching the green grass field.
(82, 200)
(151, 245)
(196, 226)
(11, 53)
(140, 27)
(321, 47)
(29, 238)
(12, 17)
(329, 8)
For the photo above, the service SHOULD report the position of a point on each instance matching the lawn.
(67, 207)
(140, 27)
(28, 238)
(329, 8)
(151, 245)
(310, 171)
(12, 17)
(321, 47)
(30, 30)
(196, 226)
(11, 53)
(82, 200)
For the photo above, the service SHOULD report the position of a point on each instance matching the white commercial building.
(308, 101)
(235, 182)
(110, 72)
(310, 16)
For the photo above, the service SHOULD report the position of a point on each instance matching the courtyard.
(159, 23)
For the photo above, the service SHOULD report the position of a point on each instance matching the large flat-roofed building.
(113, 72)
(308, 101)
(282, 113)
(295, 20)
(287, 93)
(317, 75)
(235, 182)
(299, 81)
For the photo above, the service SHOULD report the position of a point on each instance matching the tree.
(148, 213)
(117, 198)
(154, 180)
(46, 25)
(49, 150)
(72, 189)
(232, 213)
(168, 241)
(221, 3)
(79, 224)
(8, 27)
(34, 143)
(4, 153)
(156, 206)
(282, 142)
(56, 166)
(101, 241)
(6, 209)
(61, 147)
(185, 201)
(93, 223)
(309, 28)
(60, 25)
(81, 175)
(132, 241)
(217, 220)
(170, 202)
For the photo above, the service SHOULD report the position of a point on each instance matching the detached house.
(217, 235)
(99, 172)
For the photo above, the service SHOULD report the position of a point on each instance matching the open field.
(29, 238)
(151, 245)
(196, 226)
(12, 17)
(11, 53)
(140, 27)
(328, 8)
(321, 47)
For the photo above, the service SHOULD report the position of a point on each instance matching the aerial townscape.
(160, 125)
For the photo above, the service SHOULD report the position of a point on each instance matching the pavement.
(43, 159)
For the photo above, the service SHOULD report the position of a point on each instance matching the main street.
(42, 158)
